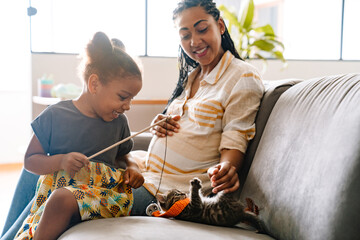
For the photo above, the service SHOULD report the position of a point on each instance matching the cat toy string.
(132, 136)
(126, 139)
(163, 165)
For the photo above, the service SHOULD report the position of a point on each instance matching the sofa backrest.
(305, 175)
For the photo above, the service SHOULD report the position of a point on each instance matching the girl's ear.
(93, 83)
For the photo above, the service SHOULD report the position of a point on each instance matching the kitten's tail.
(253, 220)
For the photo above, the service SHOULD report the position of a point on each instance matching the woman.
(215, 103)
(213, 106)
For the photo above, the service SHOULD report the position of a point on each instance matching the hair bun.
(118, 43)
(99, 47)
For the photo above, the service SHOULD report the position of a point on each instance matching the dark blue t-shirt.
(62, 128)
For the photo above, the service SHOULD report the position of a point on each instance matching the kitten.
(221, 210)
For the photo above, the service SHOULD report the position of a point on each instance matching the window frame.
(146, 40)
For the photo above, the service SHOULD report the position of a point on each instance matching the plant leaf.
(250, 41)
(279, 55)
(231, 17)
(247, 14)
(263, 45)
(266, 29)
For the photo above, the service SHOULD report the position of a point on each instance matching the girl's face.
(200, 36)
(113, 98)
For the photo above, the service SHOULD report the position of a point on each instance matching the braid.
(186, 64)
(228, 44)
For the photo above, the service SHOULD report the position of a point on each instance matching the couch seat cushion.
(154, 228)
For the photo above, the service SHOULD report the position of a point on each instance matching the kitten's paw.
(196, 182)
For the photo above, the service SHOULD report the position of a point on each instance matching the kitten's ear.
(161, 198)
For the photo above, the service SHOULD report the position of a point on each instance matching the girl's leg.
(142, 199)
(61, 210)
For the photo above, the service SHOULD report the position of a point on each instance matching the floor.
(9, 175)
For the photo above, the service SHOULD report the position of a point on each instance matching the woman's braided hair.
(186, 64)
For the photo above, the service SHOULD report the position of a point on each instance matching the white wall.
(160, 76)
(15, 81)
(159, 79)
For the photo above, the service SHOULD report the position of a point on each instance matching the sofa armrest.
(142, 141)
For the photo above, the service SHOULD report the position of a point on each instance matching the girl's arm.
(132, 175)
(224, 176)
(38, 162)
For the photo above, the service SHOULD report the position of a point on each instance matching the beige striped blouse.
(220, 116)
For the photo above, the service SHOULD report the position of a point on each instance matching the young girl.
(72, 188)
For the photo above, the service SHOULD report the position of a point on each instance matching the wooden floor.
(9, 175)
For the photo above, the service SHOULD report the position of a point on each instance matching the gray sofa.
(302, 169)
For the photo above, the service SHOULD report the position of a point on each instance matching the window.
(309, 29)
(351, 46)
(163, 39)
(65, 26)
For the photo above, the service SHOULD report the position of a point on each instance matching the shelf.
(149, 101)
(45, 100)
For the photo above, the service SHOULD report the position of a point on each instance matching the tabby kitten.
(221, 210)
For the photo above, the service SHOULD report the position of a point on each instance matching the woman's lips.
(201, 52)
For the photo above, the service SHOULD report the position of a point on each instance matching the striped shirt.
(220, 115)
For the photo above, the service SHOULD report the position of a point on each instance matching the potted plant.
(250, 40)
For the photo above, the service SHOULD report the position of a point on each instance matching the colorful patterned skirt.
(98, 189)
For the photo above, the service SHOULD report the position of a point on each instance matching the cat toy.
(174, 210)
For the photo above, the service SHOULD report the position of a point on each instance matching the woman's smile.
(201, 52)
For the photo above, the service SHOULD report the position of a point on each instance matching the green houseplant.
(250, 40)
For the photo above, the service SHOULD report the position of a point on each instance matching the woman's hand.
(73, 162)
(165, 128)
(223, 176)
(133, 177)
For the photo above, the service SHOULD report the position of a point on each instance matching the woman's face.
(200, 36)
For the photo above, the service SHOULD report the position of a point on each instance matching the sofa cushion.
(151, 228)
(273, 90)
(305, 173)
(142, 141)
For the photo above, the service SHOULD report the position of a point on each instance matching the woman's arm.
(166, 128)
(238, 129)
(223, 176)
(38, 162)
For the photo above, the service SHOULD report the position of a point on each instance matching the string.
(126, 139)
(163, 165)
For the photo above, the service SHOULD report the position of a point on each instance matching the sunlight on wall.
(15, 81)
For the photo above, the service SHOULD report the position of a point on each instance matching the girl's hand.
(223, 176)
(133, 177)
(73, 162)
(168, 127)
